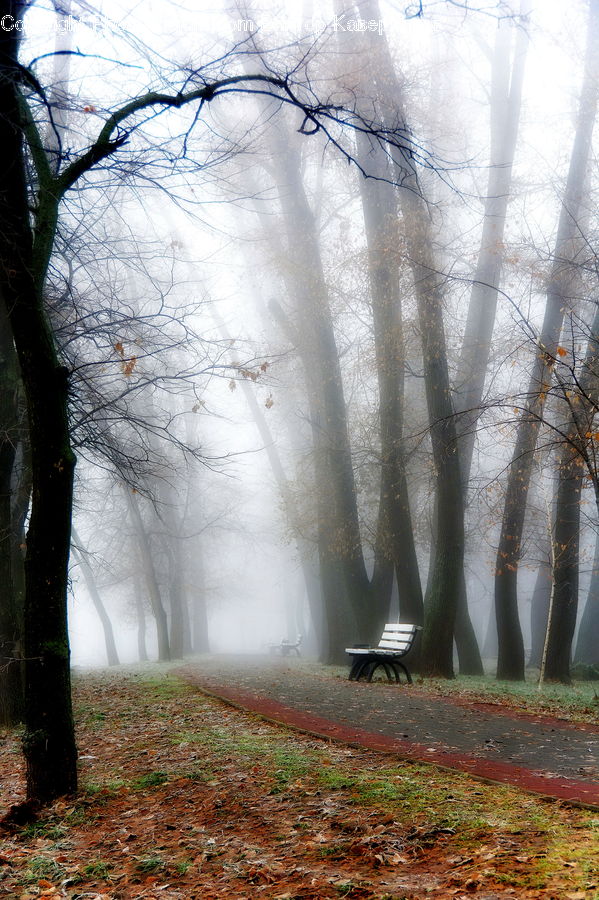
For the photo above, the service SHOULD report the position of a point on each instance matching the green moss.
(152, 779)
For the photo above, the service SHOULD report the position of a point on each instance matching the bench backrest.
(398, 637)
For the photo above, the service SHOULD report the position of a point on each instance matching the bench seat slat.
(401, 628)
(373, 651)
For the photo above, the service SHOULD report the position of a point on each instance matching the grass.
(410, 793)
(98, 869)
(578, 701)
(150, 865)
(580, 694)
(227, 797)
(42, 867)
(152, 779)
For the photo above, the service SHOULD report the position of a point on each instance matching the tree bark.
(587, 645)
(199, 612)
(562, 620)
(11, 610)
(49, 740)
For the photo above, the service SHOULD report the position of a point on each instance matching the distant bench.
(395, 642)
(286, 647)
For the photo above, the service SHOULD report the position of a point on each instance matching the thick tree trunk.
(11, 611)
(510, 664)
(562, 621)
(587, 645)
(49, 740)
(583, 402)
(351, 607)
(78, 552)
(395, 535)
(351, 614)
(442, 598)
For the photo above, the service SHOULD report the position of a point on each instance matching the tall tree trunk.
(199, 612)
(563, 610)
(11, 675)
(176, 595)
(587, 645)
(507, 78)
(49, 740)
(442, 596)
(469, 658)
(583, 400)
(539, 612)
(395, 535)
(149, 575)
(351, 611)
(78, 552)
(142, 652)
(510, 664)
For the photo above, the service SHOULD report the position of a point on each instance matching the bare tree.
(511, 662)
(30, 182)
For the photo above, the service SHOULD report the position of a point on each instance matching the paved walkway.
(540, 754)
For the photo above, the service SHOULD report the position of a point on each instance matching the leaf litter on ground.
(183, 797)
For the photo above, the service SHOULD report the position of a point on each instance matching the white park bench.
(286, 648)
(395, 642)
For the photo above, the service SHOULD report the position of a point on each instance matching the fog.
(330, 329)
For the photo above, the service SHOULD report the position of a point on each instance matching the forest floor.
(183, 797)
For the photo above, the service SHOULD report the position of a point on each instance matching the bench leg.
(368, 666)
(354, 672)
(397, 665)
(372, 667)
(408, 676)
(360, 666)
(385, 665)
(393, 666)
(390, 671)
